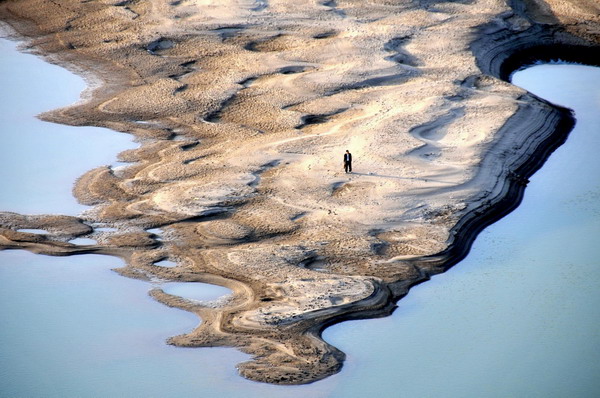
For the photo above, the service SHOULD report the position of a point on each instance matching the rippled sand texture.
(243, 110)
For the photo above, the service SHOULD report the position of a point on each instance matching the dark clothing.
(348, 162)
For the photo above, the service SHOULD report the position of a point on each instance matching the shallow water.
(33, 231)
(73, 328)
(166, 263)
(518, 317)
(83, 241)
(50, 156)
(195, 290)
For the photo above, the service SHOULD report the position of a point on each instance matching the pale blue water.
(40, 161)
(73, 328)
(195, 290)
(517, 318)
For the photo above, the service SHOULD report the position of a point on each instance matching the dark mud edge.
(499, 53)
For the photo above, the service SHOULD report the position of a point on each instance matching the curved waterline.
(48, 157)
(518, 316)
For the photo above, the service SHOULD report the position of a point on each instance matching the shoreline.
(280, 307)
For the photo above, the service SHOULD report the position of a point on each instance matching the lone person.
(348, 162)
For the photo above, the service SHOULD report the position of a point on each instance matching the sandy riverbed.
(243, 110)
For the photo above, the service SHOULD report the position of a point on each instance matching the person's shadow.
(398, 177)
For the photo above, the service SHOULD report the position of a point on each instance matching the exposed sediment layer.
(243, 111)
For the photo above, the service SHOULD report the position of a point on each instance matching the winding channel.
(517, 317)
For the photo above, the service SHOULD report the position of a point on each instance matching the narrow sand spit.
(243, 110)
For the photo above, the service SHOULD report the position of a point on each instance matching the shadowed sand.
(243, 110)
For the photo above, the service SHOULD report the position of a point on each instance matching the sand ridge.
(243, 110)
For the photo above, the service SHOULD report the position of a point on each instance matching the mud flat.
(244, 110)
